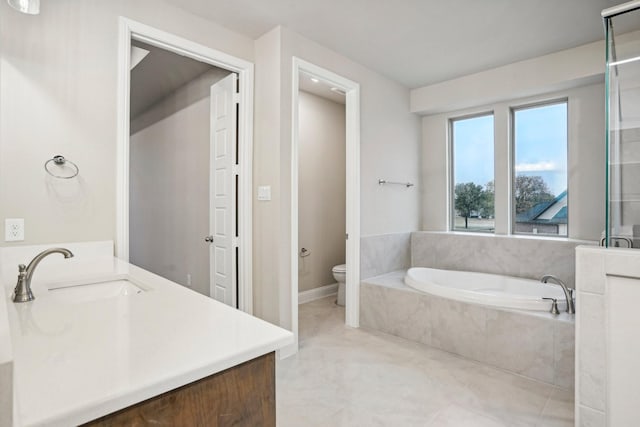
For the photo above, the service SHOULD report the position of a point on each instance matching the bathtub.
(479, 326)
(487, 289)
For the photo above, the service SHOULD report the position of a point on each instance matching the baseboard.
(317, 293)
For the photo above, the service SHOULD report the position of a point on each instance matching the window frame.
(451, 214)
(512, 160)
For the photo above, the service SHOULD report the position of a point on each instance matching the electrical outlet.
(13, 229)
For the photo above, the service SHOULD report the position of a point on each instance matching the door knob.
(208, 239)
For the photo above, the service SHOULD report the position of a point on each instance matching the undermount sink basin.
(85, 292)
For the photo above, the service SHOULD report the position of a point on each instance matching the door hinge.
(236, 98)
(236, 242)
(235, 169)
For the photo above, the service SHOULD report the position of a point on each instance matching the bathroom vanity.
(107, 343)
(242, 395)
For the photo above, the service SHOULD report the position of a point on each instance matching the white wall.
(586, 157)
(322, 189)
(267, 224)
(169, 187)
(557, 71)
(58, 82)
(390, 147)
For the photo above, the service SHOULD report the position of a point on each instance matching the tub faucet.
(568, 292)
(22, 291)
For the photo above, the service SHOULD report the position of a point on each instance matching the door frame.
(352, 111)
(128, 30)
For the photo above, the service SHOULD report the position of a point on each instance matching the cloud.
(536, 167)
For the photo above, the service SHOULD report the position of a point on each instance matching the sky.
(540, 146)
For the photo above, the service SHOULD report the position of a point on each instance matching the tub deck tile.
(458, 327)
(521, 344)
(564, 354)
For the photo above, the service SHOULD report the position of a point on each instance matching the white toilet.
(340, 274)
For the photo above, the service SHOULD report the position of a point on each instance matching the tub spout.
(568, 292)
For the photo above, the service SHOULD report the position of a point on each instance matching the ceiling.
(309, 83)
(158, 75)
(420, 42)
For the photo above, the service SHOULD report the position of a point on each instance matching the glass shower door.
(623, 129)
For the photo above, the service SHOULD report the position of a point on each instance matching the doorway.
(351, 92)
(184, 163)
(321, 190)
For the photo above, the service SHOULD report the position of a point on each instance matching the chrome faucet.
(568, 292)
(22, 291)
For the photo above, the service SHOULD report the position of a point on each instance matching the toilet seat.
(342, 268)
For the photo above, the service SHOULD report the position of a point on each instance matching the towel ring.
(61, 161)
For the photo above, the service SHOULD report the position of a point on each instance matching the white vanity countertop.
(77, 361)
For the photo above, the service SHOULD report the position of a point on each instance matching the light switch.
(264, 192)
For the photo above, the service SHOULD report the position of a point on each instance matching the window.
(540, 169)
(472, 174)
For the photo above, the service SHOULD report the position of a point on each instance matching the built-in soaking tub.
(498, 320)
(487, 289)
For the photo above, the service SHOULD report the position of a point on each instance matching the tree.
(468, 198)
(530, 191)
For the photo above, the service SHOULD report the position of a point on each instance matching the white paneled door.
(222, 190)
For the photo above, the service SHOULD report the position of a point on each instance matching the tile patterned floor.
(356, 377)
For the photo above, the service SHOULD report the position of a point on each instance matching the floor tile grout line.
(544, 407)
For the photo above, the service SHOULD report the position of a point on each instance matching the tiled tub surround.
(384, 253)
(536, 345)
(521, 256)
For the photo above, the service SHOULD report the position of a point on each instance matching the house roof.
(550, 212)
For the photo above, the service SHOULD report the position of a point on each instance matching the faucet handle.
(572, 292)
(22, 293)
(554, 305)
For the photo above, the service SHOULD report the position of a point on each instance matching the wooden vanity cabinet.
(243, 395)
